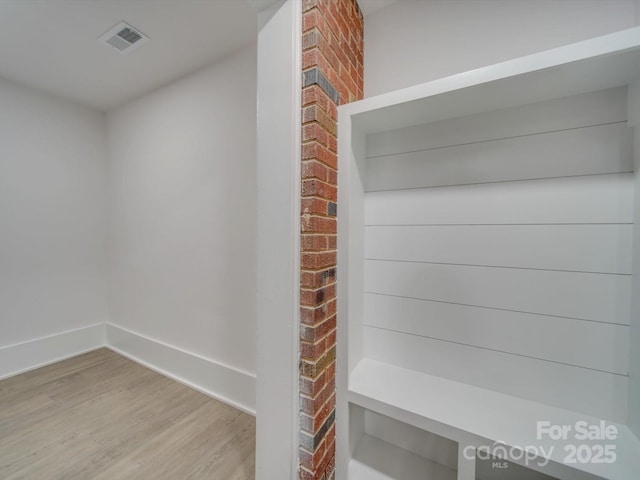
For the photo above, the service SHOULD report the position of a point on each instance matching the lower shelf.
(478, 417)
(376, 459)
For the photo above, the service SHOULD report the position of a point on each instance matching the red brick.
(331, 308)
(315, 243)
(312, 405)
(312, 387)
(309, 95)
(332, 177)
(309, 4)
(315, 331)
(317, 188)
(309, 279)
(315, 131)
(311, 460)
(333, 43)
(332, 143)
(326, 465)
(306, 474)
(333, 111)
(314, 169)
(314, 113)
(323, 44)
(329, 292)
(317, 279)
(331, 339)
(317, 260)
(309, 20)
(306, 423)
(313, 316)
(331, 371)
(310, 40)
(317, 224)
(324, 412)
(310, 58)
(314, 298)
(313, 94)
(314, 369)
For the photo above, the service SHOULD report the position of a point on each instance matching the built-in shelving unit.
(376, 459)
(489, 232)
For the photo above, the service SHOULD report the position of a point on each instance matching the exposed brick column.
(332, 63)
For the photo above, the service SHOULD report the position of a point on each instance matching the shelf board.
(376, 459)
(604, 62)
(475, 416)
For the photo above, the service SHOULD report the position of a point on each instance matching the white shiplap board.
(594, 108)
(600, 346)
(590, 199)
(498, 250)
(597, 297)
(580, 151)
(583, 248)
(591, 392)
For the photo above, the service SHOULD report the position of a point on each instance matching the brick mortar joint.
(316, 104)
(318, 124)
(321, 339)
(317, 179)
(319, 410)
(316, 197)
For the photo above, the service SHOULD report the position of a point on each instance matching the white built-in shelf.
(376, 459)
(604, 62)
(473, 415)
(463, 412)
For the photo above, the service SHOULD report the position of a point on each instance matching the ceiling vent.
(124, 38)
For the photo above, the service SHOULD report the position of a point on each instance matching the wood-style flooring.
(100, 416)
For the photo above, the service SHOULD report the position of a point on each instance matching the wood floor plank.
(101, 416)
(22, 384)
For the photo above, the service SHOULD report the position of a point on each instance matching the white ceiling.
(370, 6)
(52, 44)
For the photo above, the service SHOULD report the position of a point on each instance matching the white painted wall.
(279, 124)
(52, 213)
(182, 181)
(414, 41)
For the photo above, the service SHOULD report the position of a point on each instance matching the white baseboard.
(227, 384)
(25, 356)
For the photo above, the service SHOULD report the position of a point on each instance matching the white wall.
(52, 215)
(414, 41)
(279, 125)
(182, 182)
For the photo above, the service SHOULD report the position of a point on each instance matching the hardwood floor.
(100, 416)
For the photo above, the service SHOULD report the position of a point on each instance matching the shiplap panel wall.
(580, 248)
(582, 151)
(498, 250)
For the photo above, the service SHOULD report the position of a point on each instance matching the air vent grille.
(124, 38)
(129, 35)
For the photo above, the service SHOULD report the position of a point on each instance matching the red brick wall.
(332, 63)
